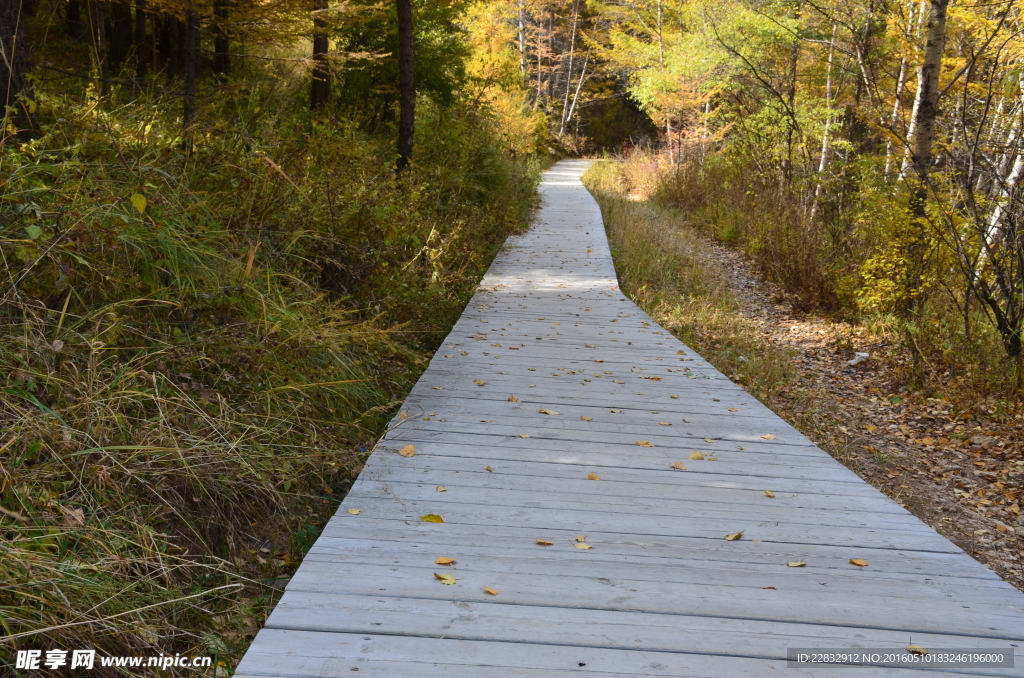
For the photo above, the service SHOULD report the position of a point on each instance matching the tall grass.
(189, 383)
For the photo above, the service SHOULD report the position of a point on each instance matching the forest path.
(552, 375)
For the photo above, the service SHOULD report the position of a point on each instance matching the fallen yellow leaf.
(673, 396)
(664, 423)
(796, 563)
(444, 561)
(616, 411)
(734, 409)
(545, 542)
(432, 518)
(644, 443)
(524, 435)
(768, 436)
(734, 536)
(680, 352)
(769, 494)
(488, 589)
(513, 399)
(355, 512)
(859, 562)
(679, 466)
(581, 538)
(709, 440)
(442, 488)
(587, 418)
(872, 428)
(488, 468)
(916, 649)
(593, 476)
(437, 388)
(696, 455)
(408, 451)
(545, 411)
(445, 578)
(583, 547)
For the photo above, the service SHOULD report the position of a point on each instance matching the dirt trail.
(960, 472)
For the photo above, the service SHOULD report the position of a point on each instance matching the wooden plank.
(304, 654)
(661, 592)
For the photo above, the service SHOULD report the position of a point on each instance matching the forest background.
(217, 289)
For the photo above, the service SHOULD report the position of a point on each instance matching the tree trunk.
(522, 36)
(568, 76)
(221, 40)
(406, 85)
(321, 76)
(926, 103)
(14, 64)
(191, 58)
(73, 19)
(826, 137)
(140, 39)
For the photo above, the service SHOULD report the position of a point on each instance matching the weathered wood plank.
(661, 592)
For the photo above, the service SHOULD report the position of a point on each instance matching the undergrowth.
(838, 261)
(198, 350)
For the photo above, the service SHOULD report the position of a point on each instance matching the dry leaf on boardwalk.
(546, 411)
(680, 352)
(859, 562)
(488, 468)
(664, 423)
(593, 476)
(696, 455)
(734, 536)
(441, 488)
(674, 395)
(524, 435)
(479, 382)
(444, 561)
(488, 589)
(585, 418)
(768, 436)
(432, 518)
(583, 547)
(545, 542)
(709, 440)
(408, 451)
(581, 538)
(403, 415)
(445, 578)
(437, 388)
(616, 411)
(917, 649)
(796, 563)
(734, 409)
(616, 381)
(513, 399)
(679, 466)
(769, 494)
(355, 512)
(644, 443)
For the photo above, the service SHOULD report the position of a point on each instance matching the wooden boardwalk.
(552, 375)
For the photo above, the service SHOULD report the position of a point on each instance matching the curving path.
(661, 592)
